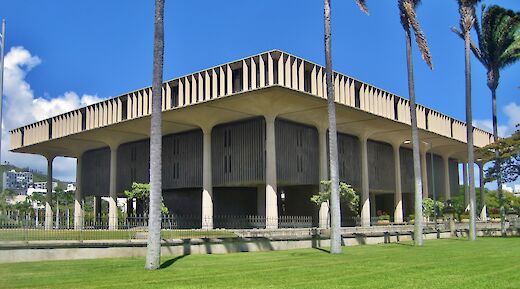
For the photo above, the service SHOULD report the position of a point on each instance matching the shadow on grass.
(171, 261)
(323, 250)
(404, 244)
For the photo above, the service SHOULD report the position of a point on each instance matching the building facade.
(250, 138)
(17, 181)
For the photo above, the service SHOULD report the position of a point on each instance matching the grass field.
(65, 235)
(455, 263)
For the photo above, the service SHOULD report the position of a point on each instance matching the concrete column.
(424, 174)
(324, 221)
(447, 187)
(398, 196)
(483, 212)
(271, 196)
(207, 186)
(48, 201)
(365, 188)
(465, 182)
(112, 201)
(79, 212)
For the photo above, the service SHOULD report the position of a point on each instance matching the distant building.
(17, 181)
(43, 186)
(517, 190)
(70, 187)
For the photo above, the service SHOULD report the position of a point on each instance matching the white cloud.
(22, 107)
(487, 125)
(512, 111)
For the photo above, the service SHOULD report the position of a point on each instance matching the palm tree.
(335, 235)
(498, 47)
(467, 21)
(409, 22)
(153, 254)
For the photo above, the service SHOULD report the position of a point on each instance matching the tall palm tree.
(335, 213)
(153, 254)
(498, 47)
(467, 21)
(409, 23)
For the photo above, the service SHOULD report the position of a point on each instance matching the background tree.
(335, 236)
(498, 47)
(5, 197)
(153, 254)
(409, 22)
(348, 196)
(505, 151)
(141, 192)
(430, 207)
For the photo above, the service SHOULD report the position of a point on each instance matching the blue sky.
(100, 49)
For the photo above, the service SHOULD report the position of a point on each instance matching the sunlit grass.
(455, 263)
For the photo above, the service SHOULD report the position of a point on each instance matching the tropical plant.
(141, 192)
(457, 203)
(467, 22)
(498, 47)
(153, 254)
(335, 235)
(37, 198)
(348, 196)
(432, 208)
(409, 22)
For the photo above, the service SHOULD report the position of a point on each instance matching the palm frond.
(409, 9)
(473, 46)
(500, 40)
(362, 6)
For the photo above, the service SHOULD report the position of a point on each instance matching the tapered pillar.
(365, 189)
(398, 196)
(207, 185)
(79, 212)
(324, 221)
(112, 201)
(424, 174)
(271, 196)
(483, 212)
(48, 200)
(447, 186)
(465, 182)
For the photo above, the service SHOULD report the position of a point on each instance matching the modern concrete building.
(17, 182)
(238, 135)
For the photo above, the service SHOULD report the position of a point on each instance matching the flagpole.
(2, 83)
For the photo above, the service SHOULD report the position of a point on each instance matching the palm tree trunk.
(418, 222)
(153, 254)
(469, 133)
(498, 164)
(335, 234)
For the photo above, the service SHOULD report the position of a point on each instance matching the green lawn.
(456, 263)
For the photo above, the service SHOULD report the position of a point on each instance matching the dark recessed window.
(238, 82)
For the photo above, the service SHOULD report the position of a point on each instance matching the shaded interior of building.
(238, 165)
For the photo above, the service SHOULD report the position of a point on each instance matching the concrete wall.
(238, 153)
(296, 153)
